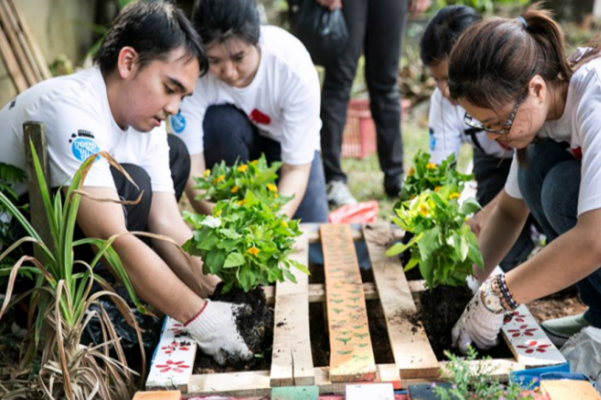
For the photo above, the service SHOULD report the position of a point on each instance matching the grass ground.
(365, 178)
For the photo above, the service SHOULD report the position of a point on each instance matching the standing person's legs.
(337, 85)
(383, 42)
(491, 175)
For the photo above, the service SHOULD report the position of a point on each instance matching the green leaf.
(208, 242)
(234, 260)
(230, 234)
(290, 276)
(246, 278)
(215, 260)
(412, 263)
(470, 206)
(300, 267)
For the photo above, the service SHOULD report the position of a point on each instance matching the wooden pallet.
(292, 364)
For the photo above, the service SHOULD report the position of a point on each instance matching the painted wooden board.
(351, 354)
(408, 340)
(527, 341)
(173, 360)
(569, 389)
(291, 360)
(312, 231)
(159, 395)
(371, 391)
(295, 393)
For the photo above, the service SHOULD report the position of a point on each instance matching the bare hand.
(333, 4)
(477, 222)
(418, 6)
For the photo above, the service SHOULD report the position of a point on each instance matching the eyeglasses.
(470, 121)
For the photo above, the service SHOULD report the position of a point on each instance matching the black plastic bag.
(323, 32)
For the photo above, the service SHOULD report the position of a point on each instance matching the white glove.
(216, 332)
(477, 325)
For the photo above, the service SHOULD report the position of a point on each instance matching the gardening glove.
(216, 333)
(479, 324)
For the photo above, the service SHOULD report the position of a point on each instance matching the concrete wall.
(57, 27)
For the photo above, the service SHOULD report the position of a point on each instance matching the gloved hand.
(216, 332)
(478, 325)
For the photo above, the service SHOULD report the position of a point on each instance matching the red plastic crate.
(359, 138)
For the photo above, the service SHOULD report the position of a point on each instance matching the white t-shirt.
(580, 127)
(79, 123)
(282, 101)
(448, 132)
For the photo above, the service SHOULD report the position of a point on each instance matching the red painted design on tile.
(522, 330)
(533, 346)
(176, 366)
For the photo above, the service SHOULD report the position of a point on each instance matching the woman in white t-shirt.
(448, 132)
(514, 77)
(261, 95)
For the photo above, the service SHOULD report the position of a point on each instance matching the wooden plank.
(317, 291)
(351, 354)
(291, 360)
(371, 391)
(11, 64)
(159, 395)
(35, 132)
(33, 45)
(528, 342)
(256, 383)
(410, 345)
(15, 45)
(22, 40)
(295, 393)
(569, 389)
(173, 360)
(312, 230)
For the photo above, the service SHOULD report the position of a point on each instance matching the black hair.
(153, 29)
(220, 20)
(443, 30)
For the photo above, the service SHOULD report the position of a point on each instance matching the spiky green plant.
(62, 296)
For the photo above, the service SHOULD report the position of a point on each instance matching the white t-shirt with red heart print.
(282, 101)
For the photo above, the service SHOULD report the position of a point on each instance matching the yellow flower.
(285, 224)
(241, 202)
(466, 219)
(431, 166)
(207, 173)
(243, 168)
(412, 197)
(253, 251)
(275, 195)
(218, 213)
(411, 171)
(423, 210)
(220, 178)
(437, 188)
(254, 162)
(235, 189)
(272, 187)
(454, 196)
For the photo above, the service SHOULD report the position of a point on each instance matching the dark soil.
(255, 325)
(440, 309)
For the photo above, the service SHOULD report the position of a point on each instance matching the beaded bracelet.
(507, 295)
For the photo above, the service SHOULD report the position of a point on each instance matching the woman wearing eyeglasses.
(449, 128)
(513, 76)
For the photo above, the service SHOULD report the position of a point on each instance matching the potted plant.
(60, 305)
(425, 175)
(246, 243)
(445, 249)
(224, 182)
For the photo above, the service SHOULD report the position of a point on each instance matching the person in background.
(513, 76)
(448, 129)
(376, 29)
(261, 95)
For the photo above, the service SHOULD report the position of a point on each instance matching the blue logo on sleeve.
(83, 148)
(432, 140)
(178, 122)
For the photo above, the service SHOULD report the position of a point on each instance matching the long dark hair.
(220, 20)
(153, 29)
(443, 30)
